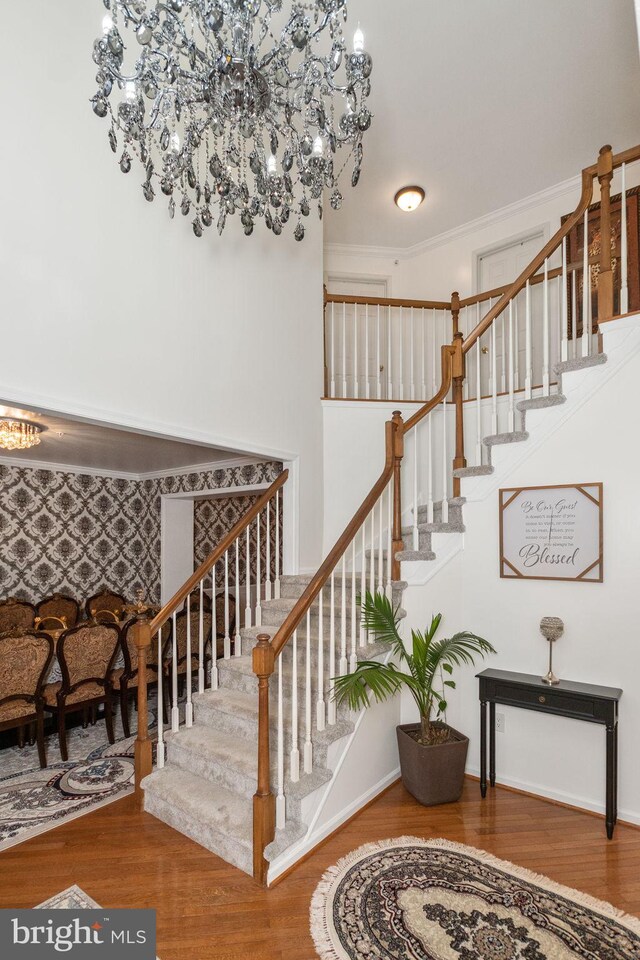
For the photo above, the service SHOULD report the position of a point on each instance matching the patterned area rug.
(412, 899)
(34, 800)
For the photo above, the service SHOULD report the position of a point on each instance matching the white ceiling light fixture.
(409, 198)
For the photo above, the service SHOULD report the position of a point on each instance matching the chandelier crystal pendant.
(18, 434)
(246, 107)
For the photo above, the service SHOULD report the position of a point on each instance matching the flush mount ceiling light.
(409, 198)
(253, 107)
(18, 434)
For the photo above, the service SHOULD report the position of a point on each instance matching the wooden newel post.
(264, 802)
(143, 746)
(398, 454)
(605, 276)
(455, 311)
(458, 375)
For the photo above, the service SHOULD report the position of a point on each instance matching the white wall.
(559, 758)
(125, 316)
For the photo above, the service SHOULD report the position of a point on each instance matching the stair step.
(218, 819)
(516, 436)
(455, 505)
(414, 556)
(580, 363)
(540, 403)
(482, 470)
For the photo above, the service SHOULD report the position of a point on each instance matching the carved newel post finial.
(551, 629)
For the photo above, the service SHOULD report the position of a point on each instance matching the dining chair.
(180, 642)
(60, 607)
(106, 605)
(25, 660)
(86, 654)
(16, 614)
(125, 679)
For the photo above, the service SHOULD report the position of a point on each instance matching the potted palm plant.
(432, 754)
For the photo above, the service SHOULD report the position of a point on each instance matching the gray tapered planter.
(434, 774)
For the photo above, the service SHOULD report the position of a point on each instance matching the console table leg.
(492, 743)
(611, 776)
(615, 774)
(483, 747)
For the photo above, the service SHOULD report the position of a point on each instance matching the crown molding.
(123, 474)
(496, 216)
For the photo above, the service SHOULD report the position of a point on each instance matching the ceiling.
(94, 446)
(485, 102)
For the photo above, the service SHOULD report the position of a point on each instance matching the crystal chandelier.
(18, 434)
(241, 104)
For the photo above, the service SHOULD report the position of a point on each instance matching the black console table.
(582, 701)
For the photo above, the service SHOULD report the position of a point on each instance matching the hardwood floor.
(206, 909)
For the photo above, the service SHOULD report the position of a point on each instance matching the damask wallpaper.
(76, 533)
(214, 518)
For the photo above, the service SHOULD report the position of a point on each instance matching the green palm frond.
(461, 648)
(381, 618)
(379, 679)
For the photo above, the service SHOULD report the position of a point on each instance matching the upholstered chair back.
(16, 615)
(106, 606)
(181, 635)
(59, 607)
(86, 654)
(25, 659)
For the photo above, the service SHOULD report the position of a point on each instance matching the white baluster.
(267, 583)
(416, 534)
(363, 584)
(227, 637)
(516, 345)
(389, 587)
(160, 754)
(367, 388)
(512, 407)
(464, 321)
(188, 710)
(445, 465)
(389, 357)
(356, 378)
(564, 349)
(258, 574)
(378, 363)
(423, 365)
(201, 640)
(574, 312)
(372, 568)
(247, 582)
(333, 349)
(320, 704)
(556, 353)
(308, 746)
(238, 638)
(624, 247)
(430, 469)
(546, 379)
(503, 374)
(494, 381)
(343, 620)
(214, 632)
(277, 584)
(344, 350)
(479, 444)
(412, 359)
(528, 379)
(280, 799)
(401, 391)
(331, 705)
(586, 285)
(175, 713)
(353, 662)
(294, 758)
(380, 547)
(434, 352)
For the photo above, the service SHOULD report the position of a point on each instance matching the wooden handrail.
(536, 263)
(335, 555)
(176, 601)
(498, 291)
(386, 302)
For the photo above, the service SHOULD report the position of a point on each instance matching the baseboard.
(630, 817)
(297, 853)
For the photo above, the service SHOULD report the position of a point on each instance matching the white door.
(497, 268)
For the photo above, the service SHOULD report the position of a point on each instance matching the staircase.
(253, 751)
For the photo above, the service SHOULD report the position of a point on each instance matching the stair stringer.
(621, 342)
(358, 776)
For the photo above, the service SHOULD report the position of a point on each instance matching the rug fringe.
(318, 913)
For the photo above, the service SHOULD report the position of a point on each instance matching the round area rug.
(413, 899)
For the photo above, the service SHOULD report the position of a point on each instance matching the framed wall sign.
(552, 533)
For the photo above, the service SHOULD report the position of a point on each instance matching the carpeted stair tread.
(580, 363)
(497, 439)
(290, 834)
(414, 556)
(540, 403)
(482, 470)
(219, 819)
